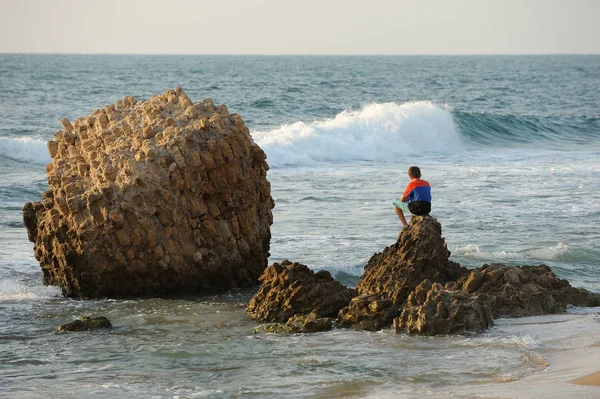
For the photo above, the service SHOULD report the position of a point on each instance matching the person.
(416, 198)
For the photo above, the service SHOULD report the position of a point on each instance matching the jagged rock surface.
(155, 197)
(524, 290)
(368, 312)
(289, 289)
(431, 310)
(419, 254)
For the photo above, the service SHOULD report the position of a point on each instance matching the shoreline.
(573, 370)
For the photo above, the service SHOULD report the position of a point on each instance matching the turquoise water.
(510, 145)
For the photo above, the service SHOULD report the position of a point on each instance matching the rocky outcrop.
(155, 197)
(419, 254)
(368, 312)
(413, 286)
(431, 310)
(86, 323)
(524, 290)
(291, 289)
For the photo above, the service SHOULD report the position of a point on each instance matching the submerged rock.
(298, 324)
(524, 290)
(86, 323)
(368, 312)
(308, 324)
(431, 310)
(419, 254)
(156, 197)
(291, 289)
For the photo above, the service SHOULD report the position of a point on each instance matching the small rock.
(368, 312)
(308, 324)
(86, 323)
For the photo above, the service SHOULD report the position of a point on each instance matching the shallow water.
(206, 347)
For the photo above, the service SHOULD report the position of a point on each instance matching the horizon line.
(307, 55)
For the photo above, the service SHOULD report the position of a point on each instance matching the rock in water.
(368, 312)
(86, 323)
(431, 310)
(516, 291)
(419, 254)
(291, 289)
(155, 197)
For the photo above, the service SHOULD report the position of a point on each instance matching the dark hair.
(414, 172)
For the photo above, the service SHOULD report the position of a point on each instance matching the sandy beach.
(572, 370)
(591, 379)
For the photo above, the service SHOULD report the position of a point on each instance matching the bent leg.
(401, 216)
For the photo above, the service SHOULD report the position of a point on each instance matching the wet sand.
(590, 379)
(572, 370)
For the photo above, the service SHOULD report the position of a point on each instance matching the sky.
(346, 27)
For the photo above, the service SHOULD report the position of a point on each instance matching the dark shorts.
(420, 208)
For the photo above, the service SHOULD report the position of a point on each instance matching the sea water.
(510, 145)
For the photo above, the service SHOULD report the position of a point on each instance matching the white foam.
(378, 132)
(25, 149)
(11, 290)
(473, 251)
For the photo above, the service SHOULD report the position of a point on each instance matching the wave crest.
(11, 290)
(25, 149)
(377, 132)
(544, 254)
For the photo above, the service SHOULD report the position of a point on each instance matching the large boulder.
(155, 197)
(431, 310)
(419, 254)
(290, 289)
(524, 290)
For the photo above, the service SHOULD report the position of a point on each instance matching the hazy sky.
(300, 26)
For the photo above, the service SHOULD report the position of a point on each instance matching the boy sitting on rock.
(416, 198)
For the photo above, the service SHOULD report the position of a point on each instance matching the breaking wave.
(391, 131)
(377, 132)
(25, 149)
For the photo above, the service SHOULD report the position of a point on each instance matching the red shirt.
(417, 190)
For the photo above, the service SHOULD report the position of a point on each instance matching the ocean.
(509, 144)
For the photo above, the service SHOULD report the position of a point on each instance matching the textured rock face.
(290, 289)
(368, 312)
(155, 197)
(419, 254)
(524, 290)
(431, 310)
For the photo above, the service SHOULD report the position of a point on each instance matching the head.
(414, 172)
